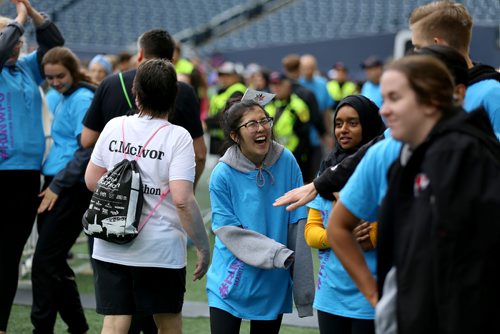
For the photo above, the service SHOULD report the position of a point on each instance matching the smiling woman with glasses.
(250, 276)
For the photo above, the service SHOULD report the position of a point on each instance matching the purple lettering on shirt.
(235, 271)
(324, 255)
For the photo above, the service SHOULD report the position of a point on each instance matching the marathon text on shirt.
(5, 123)
(117, 146)
(150, 191)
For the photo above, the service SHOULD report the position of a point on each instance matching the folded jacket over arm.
(254, 248)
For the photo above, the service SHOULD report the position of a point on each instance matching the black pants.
(53, 280)
(18, 204)
(330, 323)
(222, 322)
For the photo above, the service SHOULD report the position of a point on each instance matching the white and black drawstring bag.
(116, 205)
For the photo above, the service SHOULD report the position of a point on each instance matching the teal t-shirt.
(366, 188)
(336, 292)
(67, 125)
(485, 94)
(372, 91)
(244, 291)
(22, 141)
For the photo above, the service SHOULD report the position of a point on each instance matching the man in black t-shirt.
(111, 101)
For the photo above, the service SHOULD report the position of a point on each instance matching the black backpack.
(116, 205)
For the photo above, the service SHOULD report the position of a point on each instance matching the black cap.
(339, 66)
(277, 77)
(371, 61)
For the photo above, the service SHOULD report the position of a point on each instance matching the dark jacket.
(482, 72)
(440, 227)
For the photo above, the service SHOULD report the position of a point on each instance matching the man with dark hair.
(156, 43)
(114, 98)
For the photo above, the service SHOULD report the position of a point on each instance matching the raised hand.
(22, 12)
(32, 12)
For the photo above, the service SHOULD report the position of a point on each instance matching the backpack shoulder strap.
(164, 193)
(147, 142)
(162, 196)
(145, 145)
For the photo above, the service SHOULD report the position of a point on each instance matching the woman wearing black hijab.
(371, 126)
(341, 306)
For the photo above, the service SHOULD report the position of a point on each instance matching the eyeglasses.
(253, 126)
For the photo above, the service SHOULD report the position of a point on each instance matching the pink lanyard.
(163, 194)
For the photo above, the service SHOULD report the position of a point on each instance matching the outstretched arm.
(297, 197)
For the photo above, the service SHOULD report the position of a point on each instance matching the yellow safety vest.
(218, 103)
(295, 110)
(184, 66)
(338, 93)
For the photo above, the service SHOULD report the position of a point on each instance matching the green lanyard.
(125, 90)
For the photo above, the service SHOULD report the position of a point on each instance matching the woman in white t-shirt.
(147, 275)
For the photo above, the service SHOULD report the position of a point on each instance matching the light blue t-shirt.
(365, 190)
(244, 291)
(485, 93)
(67, 125)
(318, 86)
(336, 292)
(52, 98)
(22, 140)
(372, 91)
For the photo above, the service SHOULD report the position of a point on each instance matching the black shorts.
(126, 290)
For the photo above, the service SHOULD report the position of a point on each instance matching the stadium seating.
(112, 26)
(306, 21)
